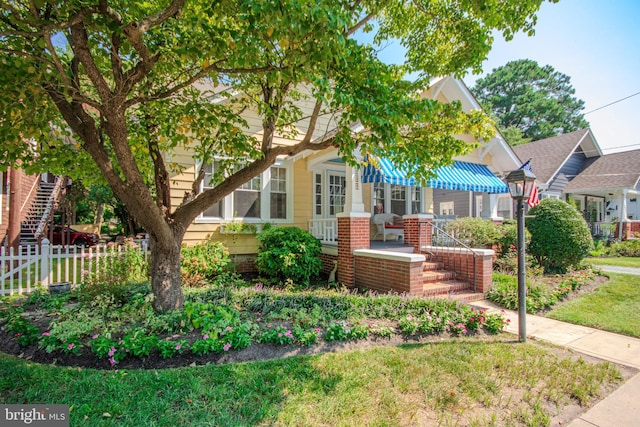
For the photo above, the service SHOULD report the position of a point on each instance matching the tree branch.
(79, 44)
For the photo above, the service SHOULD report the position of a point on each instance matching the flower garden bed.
(229, 320)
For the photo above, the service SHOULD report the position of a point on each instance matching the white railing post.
(45, 252)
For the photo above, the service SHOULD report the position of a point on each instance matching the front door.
(336, 193)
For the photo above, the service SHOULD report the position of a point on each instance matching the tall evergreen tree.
(539, 101)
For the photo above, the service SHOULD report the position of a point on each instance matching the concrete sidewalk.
(622, 407)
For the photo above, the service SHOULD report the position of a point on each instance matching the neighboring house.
(611, 181)
(318, 192)
(604, 188)
(34, 196)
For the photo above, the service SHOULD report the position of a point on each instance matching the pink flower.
(112, 351)
(226, 347)
(178, 346)
(93, 337)
(318, 330)
(70, 346)
(228, 328)
(112, 361)
(279, 335)
(18, 335)
(205, 337)
(46, 334)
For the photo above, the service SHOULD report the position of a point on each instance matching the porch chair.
(386, 225)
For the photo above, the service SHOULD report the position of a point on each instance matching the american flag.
(533, 199)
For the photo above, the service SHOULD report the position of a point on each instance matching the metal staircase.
(40, 213)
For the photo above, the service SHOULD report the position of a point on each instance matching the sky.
(597, 44)
(594, 42)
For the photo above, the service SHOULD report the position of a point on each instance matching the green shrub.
(289, 253)
(509, 239)
(474, 232)
(560, 237)
(625, 248)
(202, 262)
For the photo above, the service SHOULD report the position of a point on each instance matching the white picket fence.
(32, 265)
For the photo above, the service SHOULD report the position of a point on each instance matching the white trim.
(389, 255)
(228, 213)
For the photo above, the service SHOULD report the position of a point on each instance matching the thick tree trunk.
(97, 220)
(166, 281)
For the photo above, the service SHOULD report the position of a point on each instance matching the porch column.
(353, 233)
(417, 230)
(353, 198)
(623, 235)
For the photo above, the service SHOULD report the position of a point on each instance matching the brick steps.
(440, 283)
(444, 288)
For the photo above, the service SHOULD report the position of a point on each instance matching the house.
(318, 192)
(604, 188)
(33, 197)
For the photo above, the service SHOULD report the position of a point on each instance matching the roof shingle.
(547, 155)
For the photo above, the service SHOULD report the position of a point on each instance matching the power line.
(611, 103)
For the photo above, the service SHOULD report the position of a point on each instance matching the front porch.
(413, 265)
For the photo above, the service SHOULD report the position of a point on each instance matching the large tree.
(110, 88)
(530, 102)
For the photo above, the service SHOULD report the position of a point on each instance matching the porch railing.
(324, 229)
(602, 229)
(455, 254)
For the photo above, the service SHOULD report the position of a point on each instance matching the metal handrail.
(453, 244)
(48, 211)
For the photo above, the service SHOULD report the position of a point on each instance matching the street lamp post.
(520, 183)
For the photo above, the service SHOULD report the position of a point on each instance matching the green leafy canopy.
(117, 91)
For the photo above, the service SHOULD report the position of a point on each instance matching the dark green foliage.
(289, 253)
(474, 232)
(560, 237)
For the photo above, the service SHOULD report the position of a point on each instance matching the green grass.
(616, 261)
(453, 382)
(613, 306)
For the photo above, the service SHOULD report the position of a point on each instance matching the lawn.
(613, 306)
(616, 261)
(453, 382)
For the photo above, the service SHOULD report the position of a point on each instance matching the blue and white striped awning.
(460, 176)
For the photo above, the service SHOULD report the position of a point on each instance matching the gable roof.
(611, 171)
(550, 154)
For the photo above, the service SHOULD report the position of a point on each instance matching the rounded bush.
(203, 262)
(289, 253)
(474, 232)
(560, 237)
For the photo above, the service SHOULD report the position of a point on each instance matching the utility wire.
(611, 103)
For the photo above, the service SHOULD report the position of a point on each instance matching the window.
(478, 206)
(246, 199)
(318, 195)
(505, 204)
(254, 200)
(446, 208)
(416, 200)
(278, 195)
(217, 210)
(378, 198)
(397, 199)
